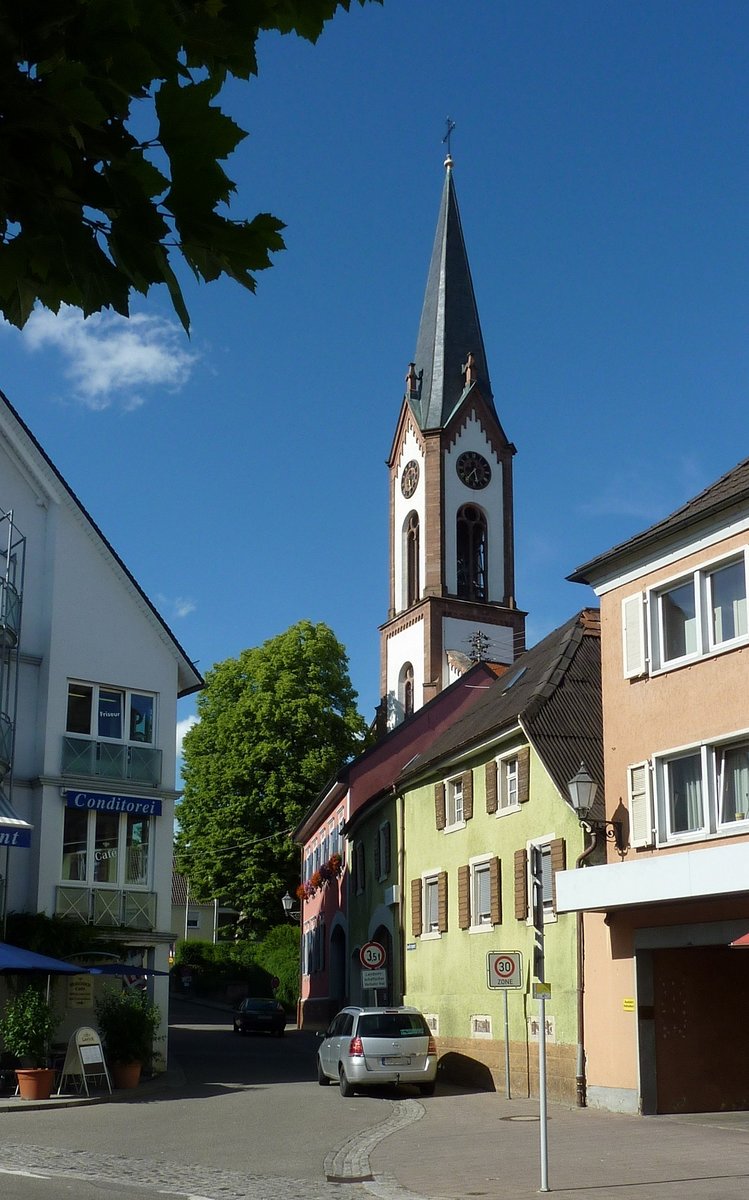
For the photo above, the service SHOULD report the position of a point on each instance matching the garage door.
(701, 1001)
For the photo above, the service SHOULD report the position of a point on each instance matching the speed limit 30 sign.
(504, 970)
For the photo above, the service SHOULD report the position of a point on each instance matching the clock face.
(473, 470)
(410, 478)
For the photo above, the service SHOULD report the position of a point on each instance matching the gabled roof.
(449, 329)
(552, 693)
(397, 743)
(190, 679)
(728, 492)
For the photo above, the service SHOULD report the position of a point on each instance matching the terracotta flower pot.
(126, 1075)
(35, 1083)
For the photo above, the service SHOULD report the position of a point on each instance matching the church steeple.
(449, 329)
(452, 573)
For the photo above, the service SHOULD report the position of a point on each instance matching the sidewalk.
(481, 1144)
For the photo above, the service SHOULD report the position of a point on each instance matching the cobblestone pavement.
(345, 1172)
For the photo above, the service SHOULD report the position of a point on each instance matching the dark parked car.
(256, 1015)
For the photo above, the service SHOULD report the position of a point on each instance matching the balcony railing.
(109, 907)
(6, 744)
(10, 613)
(111, 760)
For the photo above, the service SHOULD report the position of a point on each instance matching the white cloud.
(182, 728)
(183, 606)
(109, 358)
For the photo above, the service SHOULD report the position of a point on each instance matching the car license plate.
(397, 1060)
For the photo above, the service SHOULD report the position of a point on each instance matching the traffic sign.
(504, 970)
(372, 955)
(374, 979)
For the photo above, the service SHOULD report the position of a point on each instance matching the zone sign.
(372, 955)
(504, 970)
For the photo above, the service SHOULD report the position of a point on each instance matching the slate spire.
(449, 330)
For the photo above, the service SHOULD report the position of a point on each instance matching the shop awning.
(741, 943)
(14, 831)
(15, 959)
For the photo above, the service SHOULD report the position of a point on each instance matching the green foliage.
(110, 145)
(128, 1022)
(27, 1025)
(274, 725)
(255, 964)
(54, 936)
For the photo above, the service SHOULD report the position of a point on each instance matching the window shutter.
(495, 884)
(640, 805)
(439, 805)
(558, 851)
(467, 795)
(442, 901)
(416, 919)
(524, 774)
(521, 885)
(491, 786)
(633, 636)
(377, 856)
(464, 897)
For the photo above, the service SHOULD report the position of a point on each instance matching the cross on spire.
(446, 139)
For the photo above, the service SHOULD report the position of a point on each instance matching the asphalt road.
(247, 1119)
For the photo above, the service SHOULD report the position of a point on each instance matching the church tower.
(452, 573)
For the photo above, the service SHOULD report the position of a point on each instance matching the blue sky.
(602, 173)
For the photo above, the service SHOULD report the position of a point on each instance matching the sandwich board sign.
(84, 1060)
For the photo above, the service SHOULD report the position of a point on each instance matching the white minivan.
(368, 1047)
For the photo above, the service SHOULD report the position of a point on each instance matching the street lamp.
(582, 789)
(294, 914)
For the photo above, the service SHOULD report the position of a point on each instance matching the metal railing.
(110, 760)
(110, 907)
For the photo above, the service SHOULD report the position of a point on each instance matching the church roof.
(449, 330)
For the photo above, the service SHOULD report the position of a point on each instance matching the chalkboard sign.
(84, 1061)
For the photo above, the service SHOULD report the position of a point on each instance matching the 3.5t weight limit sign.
(504, 970)
(372, 955)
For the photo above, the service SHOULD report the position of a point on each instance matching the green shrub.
(128, 1022)
(254, 964)
(27, 1026)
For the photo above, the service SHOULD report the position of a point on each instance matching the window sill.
(481, 928)
(689, 660)
(431, 936)
(454, 828)
(505, 812)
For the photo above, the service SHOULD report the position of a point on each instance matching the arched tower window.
(406, 689)
(412, 559)
(471, 543)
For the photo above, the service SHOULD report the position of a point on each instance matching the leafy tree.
(274, 725)
(110, 144)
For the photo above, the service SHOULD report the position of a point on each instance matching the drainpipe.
(580, 1081)
(401, 811)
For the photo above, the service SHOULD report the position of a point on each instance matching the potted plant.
(26, 1028)
(128, 1022)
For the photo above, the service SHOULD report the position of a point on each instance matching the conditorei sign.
(146, 806)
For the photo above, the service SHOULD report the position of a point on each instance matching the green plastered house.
(475, 804)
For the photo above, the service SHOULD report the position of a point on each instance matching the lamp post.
(582, 789)
(294, 914)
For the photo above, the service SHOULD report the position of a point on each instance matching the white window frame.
(505, 775)
(127, 694)
(121, 883)
(477, 867)
(710, 754)
(706, 644)
(454, 804)
(544, 845)
(429, 880)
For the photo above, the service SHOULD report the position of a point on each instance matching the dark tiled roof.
(727, 492)
(554, 691)
(449, 329)
(179, 889)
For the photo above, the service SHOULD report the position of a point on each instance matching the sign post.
(505, 971)
(540, 990)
